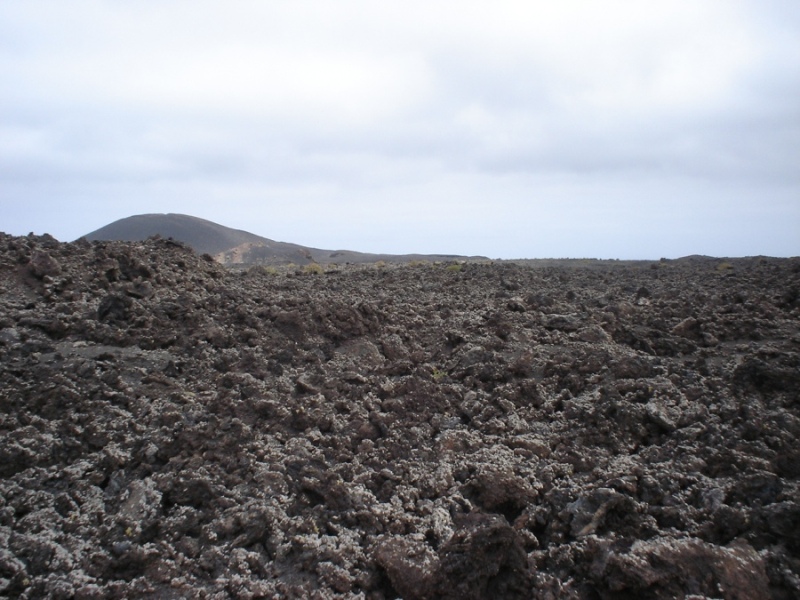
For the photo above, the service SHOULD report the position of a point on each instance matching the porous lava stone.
(173, 429)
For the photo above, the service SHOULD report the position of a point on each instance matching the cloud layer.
(615, 129)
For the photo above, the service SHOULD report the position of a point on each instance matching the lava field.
(170, 428)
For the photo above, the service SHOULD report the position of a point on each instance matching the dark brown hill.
(236, 247)
(204, 236)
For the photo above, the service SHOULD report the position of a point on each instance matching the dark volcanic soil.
(170, 429)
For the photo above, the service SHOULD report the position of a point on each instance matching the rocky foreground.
(170, 429)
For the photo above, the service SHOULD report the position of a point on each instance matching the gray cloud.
(516, 129)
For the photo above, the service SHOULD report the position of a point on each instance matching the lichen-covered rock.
(680, 568)
(484, 559)
(172, 429)
(411, 566)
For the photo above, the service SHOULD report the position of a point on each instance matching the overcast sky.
(609, 129)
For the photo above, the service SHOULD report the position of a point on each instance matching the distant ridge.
(236, 247)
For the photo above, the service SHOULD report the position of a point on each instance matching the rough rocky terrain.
(170, 429)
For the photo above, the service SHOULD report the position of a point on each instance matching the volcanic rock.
(173, 429)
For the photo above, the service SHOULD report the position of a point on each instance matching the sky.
(531, 129)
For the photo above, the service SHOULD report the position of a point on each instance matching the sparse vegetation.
(262, 270)
(724, 267)
(313, 269)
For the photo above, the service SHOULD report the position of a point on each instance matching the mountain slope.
(234, 246)
(228, 246)
(204, 236)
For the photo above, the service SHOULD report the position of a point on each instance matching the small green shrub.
(724, 266)
(258, 270)
(313, 269)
